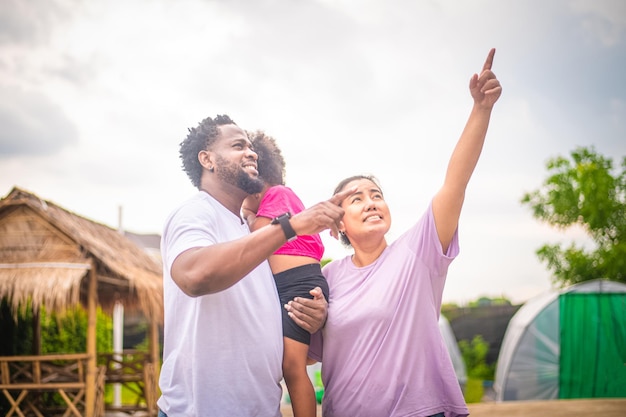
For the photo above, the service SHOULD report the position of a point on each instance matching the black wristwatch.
(283, 220)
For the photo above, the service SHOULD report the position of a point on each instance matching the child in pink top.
(295, 265)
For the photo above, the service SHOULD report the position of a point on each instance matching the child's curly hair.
(271, 164)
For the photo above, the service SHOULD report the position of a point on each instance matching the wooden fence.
(48, 385)
(55, 385)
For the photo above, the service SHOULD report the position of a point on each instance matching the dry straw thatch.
(46, 253)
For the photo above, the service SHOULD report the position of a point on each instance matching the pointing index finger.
(489, 61)
(341, 195)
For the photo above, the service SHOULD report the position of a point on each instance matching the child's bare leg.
(297, 380)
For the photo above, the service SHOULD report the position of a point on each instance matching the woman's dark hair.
(271, 164)
(342, 184)
(200, 138)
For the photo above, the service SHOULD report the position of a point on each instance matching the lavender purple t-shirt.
(383, 353)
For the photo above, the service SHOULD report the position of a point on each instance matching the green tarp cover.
(593, 345)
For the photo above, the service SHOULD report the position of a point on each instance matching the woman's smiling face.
(366, 212)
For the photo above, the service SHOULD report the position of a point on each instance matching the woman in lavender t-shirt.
(381, 349)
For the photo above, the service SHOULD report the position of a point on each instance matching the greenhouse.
(568, 343)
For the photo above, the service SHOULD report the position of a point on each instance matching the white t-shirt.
(222, 352)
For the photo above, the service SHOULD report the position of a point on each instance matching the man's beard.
(233, 174)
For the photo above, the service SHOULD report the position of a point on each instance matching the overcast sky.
(95, 97)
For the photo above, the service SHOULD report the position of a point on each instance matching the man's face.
(235, 161)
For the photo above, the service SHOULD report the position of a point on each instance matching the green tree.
(584, 191)
(67, 333)
(474, 354)
(60, 333)
(489, 301)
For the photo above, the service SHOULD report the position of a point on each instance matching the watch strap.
(283, 221)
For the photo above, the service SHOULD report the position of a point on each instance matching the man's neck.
(229, 196)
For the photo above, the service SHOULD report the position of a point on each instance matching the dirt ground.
(605, 407)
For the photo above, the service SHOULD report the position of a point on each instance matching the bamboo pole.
(92, 300)
(155, 357)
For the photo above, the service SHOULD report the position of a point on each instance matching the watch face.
(277, 219)
(283, 220)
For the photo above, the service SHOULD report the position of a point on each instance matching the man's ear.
(206, 160)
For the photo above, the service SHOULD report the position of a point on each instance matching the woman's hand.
(486, 89)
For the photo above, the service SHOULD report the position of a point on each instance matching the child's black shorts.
(297, 282)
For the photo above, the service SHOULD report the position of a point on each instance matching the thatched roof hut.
(46, 252)
(53, 257)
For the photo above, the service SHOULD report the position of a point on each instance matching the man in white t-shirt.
(223, 349)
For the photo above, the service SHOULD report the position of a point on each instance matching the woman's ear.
(342, 227)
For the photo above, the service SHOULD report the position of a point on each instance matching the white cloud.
(604, 20)
(32, 124)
